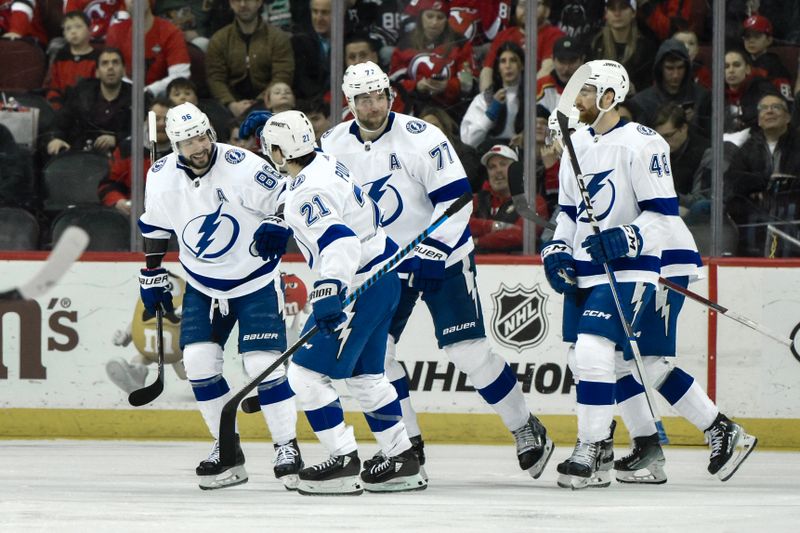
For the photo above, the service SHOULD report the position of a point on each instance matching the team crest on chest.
(234, 156)
(211, 236)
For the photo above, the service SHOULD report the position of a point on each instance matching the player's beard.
(588, 116)
(200, 161)
(373, 120)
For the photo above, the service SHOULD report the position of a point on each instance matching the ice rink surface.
(120, 486)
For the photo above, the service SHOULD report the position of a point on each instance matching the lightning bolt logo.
(377, 189)
(207, 229)
(344, 332)
(637, 299)
(662, 305)
(595, 184)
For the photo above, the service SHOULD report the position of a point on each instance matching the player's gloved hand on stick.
(611, 243)
(154, 290)
(253, 123)
(326, 301)
(427, 271)
(559, 267)
(271, 238)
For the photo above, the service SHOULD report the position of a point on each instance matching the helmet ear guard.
(292, 132)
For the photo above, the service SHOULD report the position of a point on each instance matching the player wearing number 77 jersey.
(408, 167)
(213, 197)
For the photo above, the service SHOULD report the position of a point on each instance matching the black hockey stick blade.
(149, 393)
(250, 405)
(227, 422)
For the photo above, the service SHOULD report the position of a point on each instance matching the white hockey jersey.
(335, 223)
(214, 218)
(413, 174)
(628, 176)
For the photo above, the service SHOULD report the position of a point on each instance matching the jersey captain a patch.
(211, 235)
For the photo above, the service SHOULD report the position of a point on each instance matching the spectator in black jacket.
(16, 173)
(97, 113)
(312, 52)
(674, 83)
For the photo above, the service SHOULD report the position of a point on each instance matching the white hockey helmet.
(186, 121)
(364, 78)
(555, 129)
(292, 132)
(607, 74)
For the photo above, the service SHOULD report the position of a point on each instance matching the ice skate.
(213, 475)
(338, 476)
(288, 464)
(590, 464)
(645, 456)
(730, 446)
(128, 377)
(417, 444)
(534, 447)
(395, 474)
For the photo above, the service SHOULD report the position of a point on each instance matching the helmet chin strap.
(601, 113)
(282, 168)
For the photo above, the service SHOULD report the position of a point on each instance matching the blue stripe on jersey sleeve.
(643, 262)
(449, 192)
(147, 228)
(388, 251)
(570, 210)
(680, 257)
(334, 232)
(665, 206)
(225, 285)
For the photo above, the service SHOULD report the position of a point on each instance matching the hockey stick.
(564, 107)
(227, 423)
(149, 393)
(522, 207)
(67, 250)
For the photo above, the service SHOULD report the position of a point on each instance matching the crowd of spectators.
(459, 64)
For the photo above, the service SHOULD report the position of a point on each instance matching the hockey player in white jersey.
(410, 169)
(338, 229)
(213, 197)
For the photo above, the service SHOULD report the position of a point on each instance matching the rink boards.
(54, 351)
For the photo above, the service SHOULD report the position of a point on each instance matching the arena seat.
(108, 229)
(22, 65)
(19, 229)
(71, 179)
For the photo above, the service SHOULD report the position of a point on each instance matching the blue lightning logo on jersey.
(207, 229)
(376, 190)
(594, 184)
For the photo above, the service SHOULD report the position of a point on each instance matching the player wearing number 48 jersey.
(408, 167)
(339, 232)
(213, 197)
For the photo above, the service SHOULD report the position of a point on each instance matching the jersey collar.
(354, 130)
(622, 121)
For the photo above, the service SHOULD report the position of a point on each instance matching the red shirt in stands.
(547, 36)
(495, 224)
(100, 12)
(65, 71)
(27, 19)
(164, 47)
(479, 21)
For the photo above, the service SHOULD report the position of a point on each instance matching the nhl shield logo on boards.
(519, 320)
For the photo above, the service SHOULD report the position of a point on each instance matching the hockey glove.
(270, 239)
(326, 301)
(427, 270)
(154, 289)
(609, 244)
(559, 267)
(253, 123)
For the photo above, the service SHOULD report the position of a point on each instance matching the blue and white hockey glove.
(326, 301)
(559, 267)
(271, 238)
(609, 244)
(154, 289)
(427, 271)
(253, 123)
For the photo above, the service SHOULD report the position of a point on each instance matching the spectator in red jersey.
(547, 35)
(165, 52)
(701, 72)
(743, 90)
(568, 55)
(75, 61)
(101, 13)
(428, 60)
(479, 21)
(5, 15)
(757, 38)
(27, 20)
(660, 15)
(115, 190)
(621, 40)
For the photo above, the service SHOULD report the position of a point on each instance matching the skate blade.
(536, 470)
(423, 473)
(744, 448)
(236, 475)
(290, 481)
(400, 484)
(652, 474)
(601, 479)
(342, 486)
